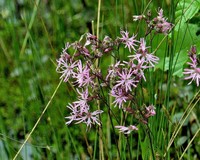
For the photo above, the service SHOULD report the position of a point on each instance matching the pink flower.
(120, 96)
(82, 101)
(66, 66)
(113, 70)
(126, 79)
(90, 118)
(193, 72)
(82, 76)
(161, 24)
(73, 115)
(138, 66)
(84, 116)
(143, 54)
(126, 130)
(138, 17)
(128, 41)
(150, 111)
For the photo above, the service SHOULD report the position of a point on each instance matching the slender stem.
(101, 151)
(29, 135)
(98, 17)
(189, 144)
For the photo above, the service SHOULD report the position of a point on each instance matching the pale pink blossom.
(161, 24)
(127, 130)
(120, 96)
(82, 75)
(73, 115)
(138, 17)
(150, 111)
(138, 66)
(129, 42)
(82, 102)
(90, 118)
(113, 70)
(193, 72)
(143, 54)
(126, 79)
(66, 67)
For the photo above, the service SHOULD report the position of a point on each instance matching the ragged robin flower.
(193, 72)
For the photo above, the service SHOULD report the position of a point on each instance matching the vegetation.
(34, 99)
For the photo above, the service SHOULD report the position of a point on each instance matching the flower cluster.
(81, 68)
(159, 24)
(193, 72)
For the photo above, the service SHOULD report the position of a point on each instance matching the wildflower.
(128, 41)
(67, 46)
(150, 111)
(83, 117)
(83, 75)
(91, 39)
(126, 79)
(192, 52)
(66, 66)
(113, 70)
(82, 101)
(73, 115)
(137, 18)
(193, 72)
(82, 50)
(90, 118)
(107, 44)
(138, 68)
(143, 54)
(126, 130)
(120, 96)
(161, 24)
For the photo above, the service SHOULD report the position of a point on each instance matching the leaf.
(183, 39)
(177, 117)
(181, 140)
(185, 10)
(179, 60)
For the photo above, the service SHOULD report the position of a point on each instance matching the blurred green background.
(32, 35)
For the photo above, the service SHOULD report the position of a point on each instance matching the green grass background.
(32, 35)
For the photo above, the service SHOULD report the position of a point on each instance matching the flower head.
(129, 42)
(126, 130)
(113, 70)
(126, 79)
(150, 111)
(84, 116)
(82, 75)
(120, 96)
(193, 72)
(82, 102)
(161, 24)
(138, 17)
(89, 118)
(66, 66)
(143, 54)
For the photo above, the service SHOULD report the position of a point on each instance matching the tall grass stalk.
(189, 144)
(182, 120)
(101, 146)
(34, 127)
